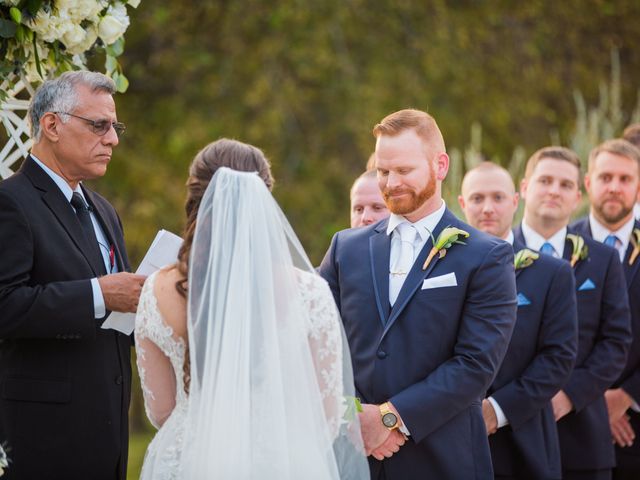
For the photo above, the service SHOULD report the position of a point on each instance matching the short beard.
(612, 219)
(415, 200)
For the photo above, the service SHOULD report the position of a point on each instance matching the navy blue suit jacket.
(604, 335)
(629, 379)
(537, 364)
(435, 353)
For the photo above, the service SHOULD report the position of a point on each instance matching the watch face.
(389, 420)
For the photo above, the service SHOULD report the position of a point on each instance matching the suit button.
(382, 354)
(119, 380)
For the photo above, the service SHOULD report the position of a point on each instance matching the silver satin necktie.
(403, 262)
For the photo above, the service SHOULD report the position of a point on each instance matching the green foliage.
(307, 82)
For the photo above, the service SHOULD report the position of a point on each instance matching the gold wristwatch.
(389, 419)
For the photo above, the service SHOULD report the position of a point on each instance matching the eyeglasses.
(99, 127)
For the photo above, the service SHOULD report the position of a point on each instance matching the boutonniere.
(580, 250)
(4, 462)
(635, 241)
(447, 237)
(524, 258)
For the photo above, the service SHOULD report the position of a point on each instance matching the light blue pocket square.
(587, 285)
(522, 300)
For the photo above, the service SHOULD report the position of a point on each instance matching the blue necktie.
(611, 240)
(547, 249)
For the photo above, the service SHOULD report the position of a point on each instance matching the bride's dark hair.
(221, 153)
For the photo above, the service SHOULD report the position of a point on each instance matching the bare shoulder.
(172, 305)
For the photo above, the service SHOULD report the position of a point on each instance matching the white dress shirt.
(424, 228)
(99, 307)
(600, 232)
(534, 240)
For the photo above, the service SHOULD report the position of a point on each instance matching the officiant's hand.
(121, 291)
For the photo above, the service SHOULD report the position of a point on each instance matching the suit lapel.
(59, 206)
(416, 275)
(379, 250)
(630, 271)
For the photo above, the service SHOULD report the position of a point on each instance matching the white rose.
(79, 10)
(110, 29)
(73, 37)
(85, 42)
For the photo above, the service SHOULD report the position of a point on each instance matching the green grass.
(137, 447)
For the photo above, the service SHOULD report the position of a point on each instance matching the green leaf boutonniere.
(635, 241)
(580, 250)
(447, 237)
(524, 258)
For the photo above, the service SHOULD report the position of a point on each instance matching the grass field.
(137, 446)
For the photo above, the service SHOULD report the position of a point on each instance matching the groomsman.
(518, 413)
(428, 320)
(551, 190)
(367, 204)
(632, 135)
(612, 183)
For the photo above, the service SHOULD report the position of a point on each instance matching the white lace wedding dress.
(160, 359)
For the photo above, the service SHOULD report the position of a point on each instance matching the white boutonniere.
(446, 239)
(524, 258)
(580, 250)
(635, 241)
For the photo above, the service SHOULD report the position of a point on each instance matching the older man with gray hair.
(65, 381)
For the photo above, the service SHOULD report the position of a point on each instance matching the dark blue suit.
(435, 353)
(537, 364)
(628, 458)
(604, 336)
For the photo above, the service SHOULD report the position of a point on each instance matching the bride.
(244, 366)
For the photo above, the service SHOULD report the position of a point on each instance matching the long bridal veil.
(271, 392)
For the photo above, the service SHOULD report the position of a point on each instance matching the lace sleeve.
(325, 342)
(157, 377)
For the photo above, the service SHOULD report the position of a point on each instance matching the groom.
(427, 333)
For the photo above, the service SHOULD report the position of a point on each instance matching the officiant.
(64, 381)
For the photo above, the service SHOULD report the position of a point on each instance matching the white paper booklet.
(163, 251)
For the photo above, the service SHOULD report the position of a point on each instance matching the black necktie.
(84, 217)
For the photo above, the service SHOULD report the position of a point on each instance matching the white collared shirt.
(534, 240)
(600, 232)
(99, 306)
(424, 227)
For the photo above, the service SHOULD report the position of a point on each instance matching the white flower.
(73, 37)
(12, 3)
(79, 10)
(113, 24)
(134, 3)
(87, 38)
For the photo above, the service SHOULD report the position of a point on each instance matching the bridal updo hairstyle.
(221, 153)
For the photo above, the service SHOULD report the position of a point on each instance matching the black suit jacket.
(604, 336)
(64, 382)
(629, 379)
(538, 362)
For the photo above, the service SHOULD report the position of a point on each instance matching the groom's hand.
(374, 433)
(378, 440)
(391, 445)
